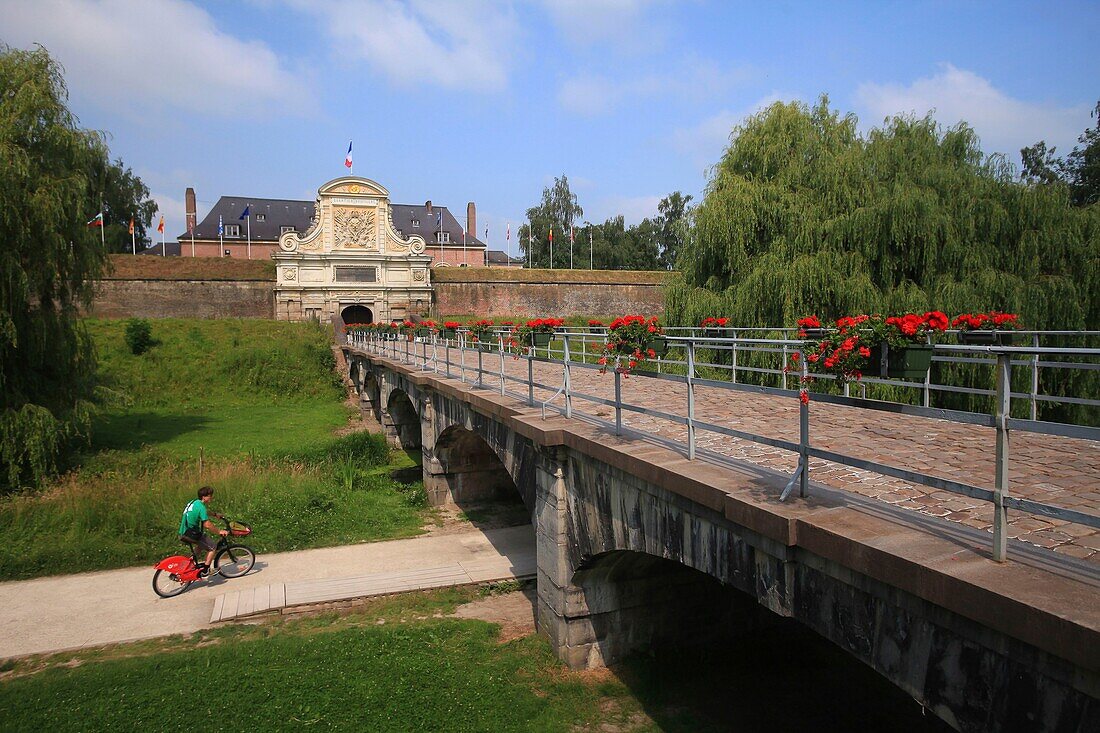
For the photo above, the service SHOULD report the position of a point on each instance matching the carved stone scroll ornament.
(353, 227)
(418, 275)
(290, 273)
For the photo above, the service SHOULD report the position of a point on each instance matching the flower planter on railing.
(905, 362)
(541, 340)
(987, 338)
(659, 347)
(715, 328)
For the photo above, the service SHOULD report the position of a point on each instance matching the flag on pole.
(551, 234)
(191, 223)
(160, 227)
(486, 235)
(508, 233)
(245, 214)
(570, 234)
(97, 220)
(221, 228)
(131, 230)
(347, 158)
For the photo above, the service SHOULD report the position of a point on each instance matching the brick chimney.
(471, 219)
(192, 221)
(428, 206)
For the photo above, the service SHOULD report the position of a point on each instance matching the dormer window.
(416, 222)
(232, 230)
(443, 237)
(261, 217)
(284, 229)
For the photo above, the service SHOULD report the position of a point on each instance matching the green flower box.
(983, 337)
(541, 340)
(658, 345)
(448, 333)
(910, 362)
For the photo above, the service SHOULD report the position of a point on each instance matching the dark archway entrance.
(464, 471)
(357, 314)
(402, 420)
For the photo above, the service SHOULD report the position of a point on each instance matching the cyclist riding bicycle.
(195, 517)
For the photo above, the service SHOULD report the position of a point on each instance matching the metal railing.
(566, 355)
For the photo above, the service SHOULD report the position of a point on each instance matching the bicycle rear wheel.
(166, 584)
(234, 561)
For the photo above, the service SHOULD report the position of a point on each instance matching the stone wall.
(497, 292)
(183, 299)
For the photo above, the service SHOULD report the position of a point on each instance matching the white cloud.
(706, 141)
(694, 80)
(462, 45)
(1004, 124)
(621, 22)
(130, 53)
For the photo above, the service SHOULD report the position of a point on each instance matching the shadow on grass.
(132, 430)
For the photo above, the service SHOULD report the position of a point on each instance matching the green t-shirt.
(193, 516)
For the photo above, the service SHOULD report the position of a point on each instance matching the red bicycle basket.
(239, 529)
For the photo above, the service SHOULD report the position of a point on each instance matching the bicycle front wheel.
(234, 561)
(166, 584)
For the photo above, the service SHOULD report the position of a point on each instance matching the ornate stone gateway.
(351, 260)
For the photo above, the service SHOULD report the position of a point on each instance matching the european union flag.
(244, 214)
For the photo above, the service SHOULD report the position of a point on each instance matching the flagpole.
(551, 246)
(163, 251)
(464, 247)
(570, 246)
(590, 265)
(249, 233)
(102, 226)
(221, 237)
(133, 239)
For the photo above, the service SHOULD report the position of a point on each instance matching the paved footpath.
(89, 609)
(1061, 471)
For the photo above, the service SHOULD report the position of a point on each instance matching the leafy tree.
(124, 195)
(1083, 165)
(671, 219)
(805, 215)
(48, 264)
(559, 209)
(1040, 164)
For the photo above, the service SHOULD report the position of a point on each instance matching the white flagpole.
(163, 252)
(133, 240)
(464, 246)
(221, 237)
(530, 243)
(249, 232)
(102, 226)
(590, 265)
(570, 246)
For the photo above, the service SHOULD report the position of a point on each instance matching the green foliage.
(559, 209)
(49, 261)
(139, 335)
(804, 215)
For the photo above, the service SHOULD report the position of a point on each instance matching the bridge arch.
(465, 469)
(401, 421)
(640, 602)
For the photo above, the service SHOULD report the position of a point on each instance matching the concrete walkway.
(89, 609)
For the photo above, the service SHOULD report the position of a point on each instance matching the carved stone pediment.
(353, 228)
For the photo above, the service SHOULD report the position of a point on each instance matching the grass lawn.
(261, 401)
(400, 664)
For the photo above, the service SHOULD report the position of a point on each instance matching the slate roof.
(499, 257)
(278, 213)
(172, 249)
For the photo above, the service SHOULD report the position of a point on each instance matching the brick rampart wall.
(493, 299)
(183, 299)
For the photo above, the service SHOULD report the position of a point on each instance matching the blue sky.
(487, 101)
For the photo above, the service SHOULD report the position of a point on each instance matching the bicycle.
(173, 574)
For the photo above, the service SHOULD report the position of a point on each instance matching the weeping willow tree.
(48, 261)
(803, 215)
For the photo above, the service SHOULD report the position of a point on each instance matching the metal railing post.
(480, 353)
(804, 430)
(926, 399)
(691, 399)
(618, 403)
(1034, 379)
(1000, 486)
(500, 345)
(565, 362)
(462, 357)
(783, 370)
(447, 355)
(531, 376)
(733, 359)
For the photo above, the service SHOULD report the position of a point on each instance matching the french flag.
(347, 159)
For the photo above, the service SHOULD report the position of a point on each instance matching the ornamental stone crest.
(353, 227)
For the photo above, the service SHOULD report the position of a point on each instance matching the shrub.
(139, 335)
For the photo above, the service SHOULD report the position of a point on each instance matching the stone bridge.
(639, 548)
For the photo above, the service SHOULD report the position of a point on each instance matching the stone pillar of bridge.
(459, 466)
(561, 610)
(369, 392)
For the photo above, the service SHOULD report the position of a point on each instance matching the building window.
(232, 230)
(261, 217)
(356, 274)
(442, 237)
(284, 230)
(416, 222)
